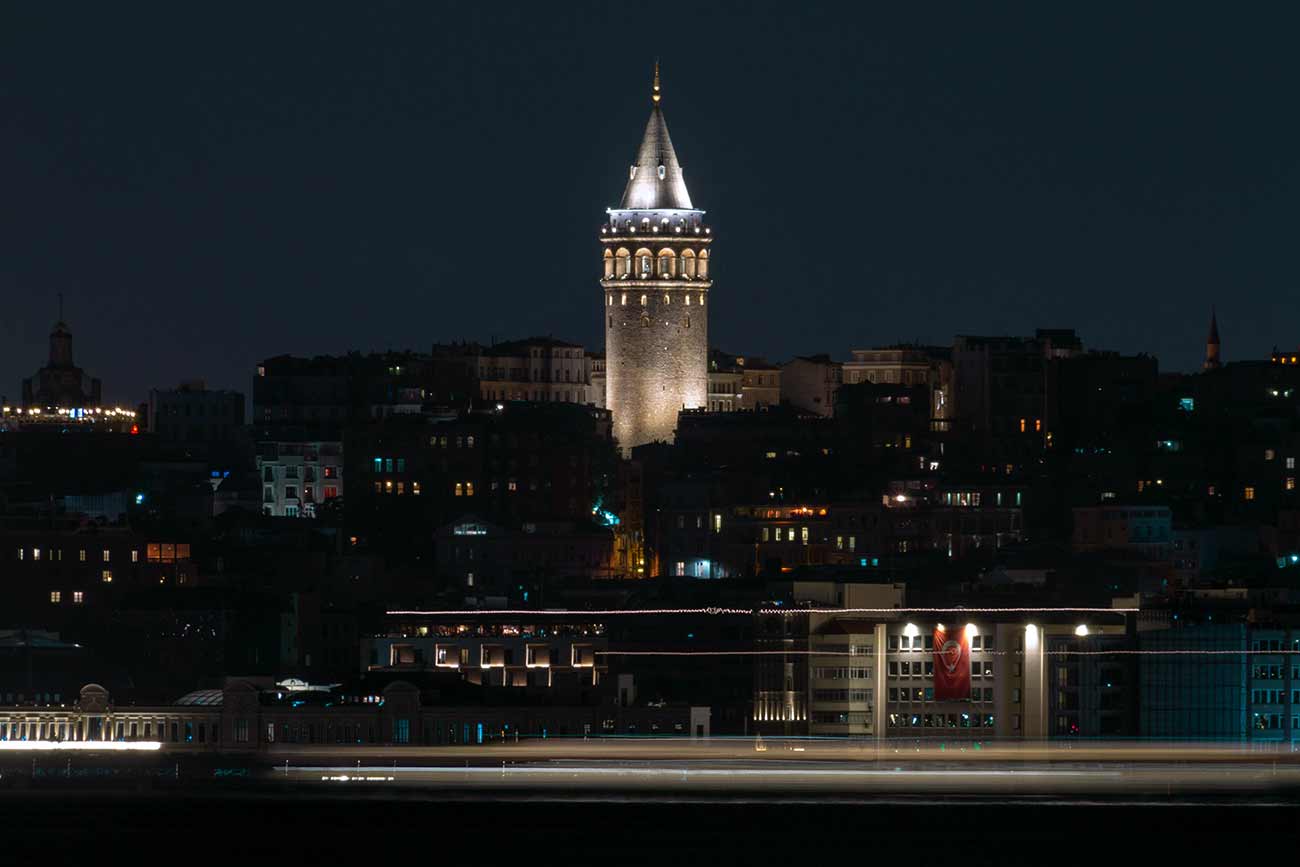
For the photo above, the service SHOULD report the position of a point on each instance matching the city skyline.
(254, 203)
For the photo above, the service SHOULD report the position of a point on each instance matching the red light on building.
(135, 428)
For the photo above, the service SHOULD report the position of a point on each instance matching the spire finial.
(654, 94)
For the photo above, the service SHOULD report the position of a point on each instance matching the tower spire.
(655, 95)
(1212, 346)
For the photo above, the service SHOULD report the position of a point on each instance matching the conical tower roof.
(656, 181)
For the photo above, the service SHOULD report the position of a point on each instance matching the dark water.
(426, 827)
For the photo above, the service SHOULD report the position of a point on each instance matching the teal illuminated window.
(1187, 404)
(379, 465)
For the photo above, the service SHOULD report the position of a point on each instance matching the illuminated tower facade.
(656, 286)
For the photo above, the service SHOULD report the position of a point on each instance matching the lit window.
(107, 576)
(645, 299)
(764, 535)
(511, 486)
(388, 487)
(853, 543)
(1038, 424)
(135, 555)
(56, 597)
(415, 490)
(401, 488)
(623, 300)
(107, 557)
(1250, 493)
(460, 490)
(469, 441)
(803, 534)
(1290, 463)
(469, 489)
(1269, 454)
(36, 553)
(21, 555)
(1290, 483)
(78, 597)
(1022, 425)
(379, 465)
(82, 555)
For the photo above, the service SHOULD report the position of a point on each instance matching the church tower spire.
(1212, 343)
(656, 286)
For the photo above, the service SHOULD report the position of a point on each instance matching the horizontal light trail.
(918, 654)
(715, 611)
(678, 773)
(948, 610)
(571, 612)
(82, 746)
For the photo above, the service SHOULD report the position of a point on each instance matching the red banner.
(951, 665)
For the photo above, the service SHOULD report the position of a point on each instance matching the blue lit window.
(1187, 404)
(379, 465)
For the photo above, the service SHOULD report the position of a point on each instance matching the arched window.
(645, 300)
(702, 266)
(687, 322)
(624, 260)
(688, 264)
(667, 264)
(701, 299)
(645, 263)
(609, 264)
(668, 299)
(623, 300)
(688, 299)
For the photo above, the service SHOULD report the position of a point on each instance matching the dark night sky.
(210, 185)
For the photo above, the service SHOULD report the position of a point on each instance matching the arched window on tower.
(623, 300)
(624, 259)
(645, 263)
(609, 264)
(688, 264)
(668, 299)
(667, 264)
(645, 300)
(702, 266)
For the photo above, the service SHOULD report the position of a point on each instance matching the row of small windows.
(291, 472)
(667, 265)
(398, 488)
(443, 442)
(951, 721)
(645, 299)
(155, 552)
(925, 694)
